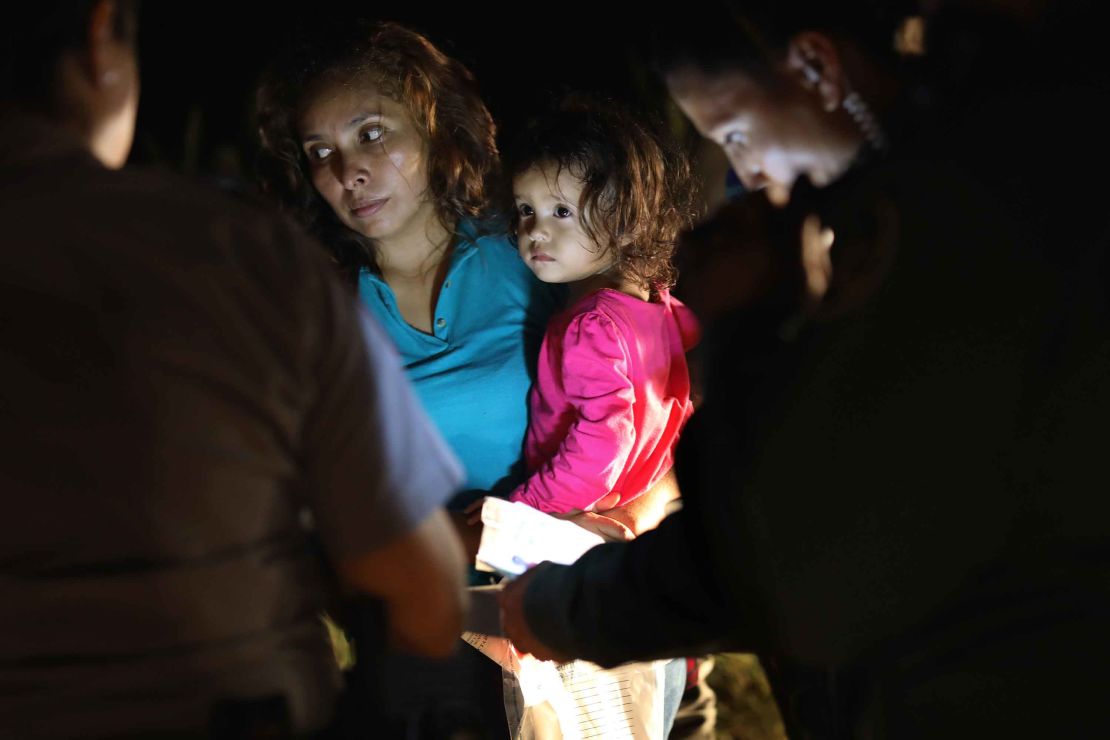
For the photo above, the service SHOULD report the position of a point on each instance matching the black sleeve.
(639, 600)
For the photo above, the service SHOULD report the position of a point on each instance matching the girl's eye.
(525, 209)
(562, 212)
(371, 134)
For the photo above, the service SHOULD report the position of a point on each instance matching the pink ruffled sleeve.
(592, 456)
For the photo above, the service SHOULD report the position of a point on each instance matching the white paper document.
(546, 700)
(515, 537)
(581, 701)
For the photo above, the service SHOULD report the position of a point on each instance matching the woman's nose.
(356, 173)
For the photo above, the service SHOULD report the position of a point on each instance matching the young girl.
(599, 204)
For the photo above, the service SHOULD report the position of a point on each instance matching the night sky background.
(201, 61)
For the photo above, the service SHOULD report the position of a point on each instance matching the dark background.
(201, 61)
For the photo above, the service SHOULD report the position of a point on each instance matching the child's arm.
(592, 455)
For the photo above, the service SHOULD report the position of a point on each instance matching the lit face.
(367, 158)
(549, 229)
(771, 138)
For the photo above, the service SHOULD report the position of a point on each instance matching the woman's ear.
(107, 80)
(812, 58)
(102, 60)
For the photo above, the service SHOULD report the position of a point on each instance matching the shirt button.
(447, 284)
(441, 323)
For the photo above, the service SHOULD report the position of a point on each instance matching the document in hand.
(544, 700)
(515, 537)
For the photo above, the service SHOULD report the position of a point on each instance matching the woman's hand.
(617, 523)
(474, 511)
(469, 531)
(606, 527)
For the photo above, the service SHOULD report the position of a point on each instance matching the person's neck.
(582, 288)
(417, 255)
(844, 146)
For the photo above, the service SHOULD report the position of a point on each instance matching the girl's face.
(549, 230)
(368, 160)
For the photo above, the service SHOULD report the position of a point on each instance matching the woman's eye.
(562, 212)
(319, 153)
(372, 134)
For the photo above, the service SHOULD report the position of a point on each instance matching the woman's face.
(367, 158)
(771, 138)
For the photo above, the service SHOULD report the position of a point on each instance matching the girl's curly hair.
(638, 192)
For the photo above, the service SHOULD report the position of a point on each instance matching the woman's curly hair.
(440, 94)
(638, 192)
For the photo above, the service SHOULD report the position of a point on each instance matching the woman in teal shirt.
(383, 146)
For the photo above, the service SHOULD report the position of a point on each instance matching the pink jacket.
(612, 394)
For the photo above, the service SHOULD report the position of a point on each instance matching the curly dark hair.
(638, 194)
(439, 93)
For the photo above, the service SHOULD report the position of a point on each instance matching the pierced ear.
(813, 59)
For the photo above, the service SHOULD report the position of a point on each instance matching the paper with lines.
(581, 701)
(546, 700)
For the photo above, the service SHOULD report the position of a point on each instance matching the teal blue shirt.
(474, 370)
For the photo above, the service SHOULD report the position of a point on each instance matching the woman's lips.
(369, 208)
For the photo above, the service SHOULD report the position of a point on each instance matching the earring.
(865, 119)
(811, 74)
